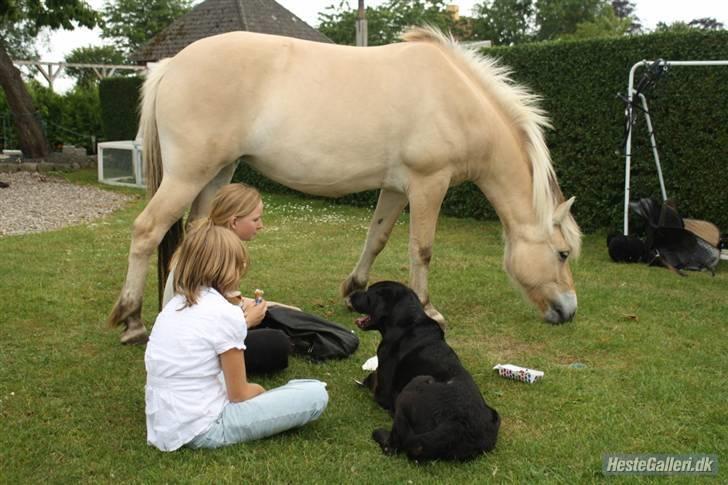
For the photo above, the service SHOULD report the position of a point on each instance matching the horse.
(410, 119)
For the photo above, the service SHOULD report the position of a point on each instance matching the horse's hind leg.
(425, 198)
(389, 206)
(166, 206)
(203, 202)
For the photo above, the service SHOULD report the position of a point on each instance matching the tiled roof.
(213, 17)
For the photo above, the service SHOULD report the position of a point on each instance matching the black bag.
(312, 336)
(670, 243)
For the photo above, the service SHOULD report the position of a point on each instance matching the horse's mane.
(523, 108)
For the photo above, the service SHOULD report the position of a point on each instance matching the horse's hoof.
(349, 286)
(436, 316)
(135, 336)
(347, 302)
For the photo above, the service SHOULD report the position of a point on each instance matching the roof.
(213, 17)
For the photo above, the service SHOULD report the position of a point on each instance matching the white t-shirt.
(184, 394)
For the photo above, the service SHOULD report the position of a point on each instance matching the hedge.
(579, 81)
(119, 97)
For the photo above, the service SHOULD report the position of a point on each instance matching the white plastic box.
(120, 163)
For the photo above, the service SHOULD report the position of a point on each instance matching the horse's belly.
(325, 176)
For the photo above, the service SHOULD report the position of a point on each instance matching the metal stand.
(631, 93)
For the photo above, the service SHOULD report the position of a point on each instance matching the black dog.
(439, 412)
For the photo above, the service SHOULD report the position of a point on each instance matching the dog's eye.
(563, 255)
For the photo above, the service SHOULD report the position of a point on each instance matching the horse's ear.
(562, 211)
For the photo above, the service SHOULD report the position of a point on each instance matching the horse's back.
(338, 112)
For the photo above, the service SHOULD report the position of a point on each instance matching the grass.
(654, 347)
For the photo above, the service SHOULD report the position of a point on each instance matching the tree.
(384, 23)
(606, 24)
(19, 19)
(624, 9)
(706, 23)
(131, 23)
(91, 55)
(504, 22)
(557, 17)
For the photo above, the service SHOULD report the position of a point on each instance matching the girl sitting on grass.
(200, 334)
(239, 207)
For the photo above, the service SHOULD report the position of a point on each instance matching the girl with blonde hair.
(200, 334)
(239, 208)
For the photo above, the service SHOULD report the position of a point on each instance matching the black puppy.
(439, 412)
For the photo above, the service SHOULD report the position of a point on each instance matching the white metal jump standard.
(628, 143)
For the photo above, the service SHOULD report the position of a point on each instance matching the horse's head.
(538, 260)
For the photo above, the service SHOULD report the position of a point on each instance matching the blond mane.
(522, 106)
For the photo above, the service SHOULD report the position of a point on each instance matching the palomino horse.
(411, 119)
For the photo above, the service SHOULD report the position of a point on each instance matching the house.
(213, 17)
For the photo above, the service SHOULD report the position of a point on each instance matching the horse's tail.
(148, 128)
(153, 168)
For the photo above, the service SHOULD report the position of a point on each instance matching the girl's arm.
(236, 381)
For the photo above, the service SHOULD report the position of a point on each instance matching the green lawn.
(654, 346)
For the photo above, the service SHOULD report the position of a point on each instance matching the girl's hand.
(254, 313)
(234, 297)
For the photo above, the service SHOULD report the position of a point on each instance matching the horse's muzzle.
(562, 309)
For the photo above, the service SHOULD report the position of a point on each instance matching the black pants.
(266, 351)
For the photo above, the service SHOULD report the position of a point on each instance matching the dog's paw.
(381, 436)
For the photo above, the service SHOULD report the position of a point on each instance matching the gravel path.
(35, 203)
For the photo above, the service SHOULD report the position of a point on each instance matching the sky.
(55, 46)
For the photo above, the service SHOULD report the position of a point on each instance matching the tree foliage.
(504, 22)
(624, 9)
(27, 18)
(91, 55)
(22, 20)
(384, 23)
(557, 17)
(706, 23)
(131, 23)
(606, 24)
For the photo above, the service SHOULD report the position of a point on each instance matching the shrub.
(71, 118)
(119, 97)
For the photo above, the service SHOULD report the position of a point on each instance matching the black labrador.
(439, 412)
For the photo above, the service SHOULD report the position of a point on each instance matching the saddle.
(670, 241)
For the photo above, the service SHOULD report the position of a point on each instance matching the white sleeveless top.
(184, 392)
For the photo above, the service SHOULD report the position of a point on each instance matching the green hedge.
(579, 81)
(119, 98)
(689, 108)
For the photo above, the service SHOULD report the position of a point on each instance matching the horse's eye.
(563, 255)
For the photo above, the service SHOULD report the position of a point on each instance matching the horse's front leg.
(425, 198)
(166, 206)
(389, 206)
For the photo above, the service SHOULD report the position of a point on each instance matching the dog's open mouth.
(363, 321)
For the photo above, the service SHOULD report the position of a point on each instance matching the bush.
(71, 118)
(119, 98)
(81, 117)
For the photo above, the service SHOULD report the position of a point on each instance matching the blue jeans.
(276, 410)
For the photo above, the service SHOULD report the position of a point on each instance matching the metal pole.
(628, 144)
(651, 132)
(361, 26)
